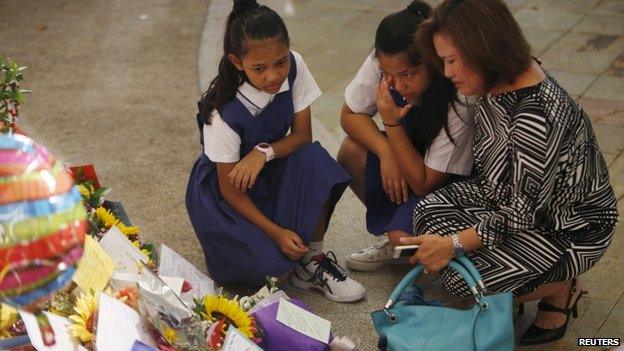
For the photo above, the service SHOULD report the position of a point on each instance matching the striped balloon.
(42, 223)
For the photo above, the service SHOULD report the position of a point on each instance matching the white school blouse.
(222, 143)
(442, 155)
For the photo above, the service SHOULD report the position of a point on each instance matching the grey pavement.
(115, 84)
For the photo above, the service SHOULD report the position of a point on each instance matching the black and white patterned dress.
(541, 202)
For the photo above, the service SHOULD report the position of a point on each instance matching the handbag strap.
(467, 263)
(418, 269)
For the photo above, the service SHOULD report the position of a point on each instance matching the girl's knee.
(350, 152)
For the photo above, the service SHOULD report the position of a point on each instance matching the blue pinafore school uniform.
(290, 191)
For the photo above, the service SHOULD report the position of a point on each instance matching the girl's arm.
(301, 134)
(288, 241)
(421, 179)
(363, 130)
(242, 175)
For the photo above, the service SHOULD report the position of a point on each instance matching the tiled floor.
(115, 83)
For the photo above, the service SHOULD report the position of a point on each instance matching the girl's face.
(409, 80)
(266, 63)
(467, 81)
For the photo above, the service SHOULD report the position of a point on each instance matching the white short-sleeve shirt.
(442, 155)
(222, 143)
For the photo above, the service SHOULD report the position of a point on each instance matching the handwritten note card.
(174, 265)
(118, 326)
(60, 326)
(235, 341)
(95, 267)
(305, 322)
(124, 254)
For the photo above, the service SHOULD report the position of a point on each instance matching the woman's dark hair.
(395, 35)
(487, 36)
(247, 21)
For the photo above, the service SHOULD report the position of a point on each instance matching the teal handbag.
(486, 326)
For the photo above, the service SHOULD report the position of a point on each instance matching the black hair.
(247, 21)
(395, 35)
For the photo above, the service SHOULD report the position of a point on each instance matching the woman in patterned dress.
(540, 210)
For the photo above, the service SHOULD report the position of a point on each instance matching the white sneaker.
(323, 273)
(373, 257)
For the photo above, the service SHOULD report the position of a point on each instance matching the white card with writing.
(60, 326)
(305, 322)
(118, 326)
(235, 341)
(174, 265)
(124, 254)
(174, 283)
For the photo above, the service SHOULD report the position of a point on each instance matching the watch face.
(264, 145)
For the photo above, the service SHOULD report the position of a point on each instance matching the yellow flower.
(8, 316)
(219, 307)
(128, 230)
(106, 216)
(84, 191)
(86, 309)
(137, 244)
(170, 335)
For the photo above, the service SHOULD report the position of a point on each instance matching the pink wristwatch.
(267, 150)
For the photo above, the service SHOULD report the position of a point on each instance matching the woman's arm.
(289, 242)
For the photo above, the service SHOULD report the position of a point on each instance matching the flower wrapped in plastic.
(42, 223)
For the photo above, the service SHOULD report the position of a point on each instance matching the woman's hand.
(244, 174)
(392, 181)
(388, 110)
(291, 244)
(434, 251)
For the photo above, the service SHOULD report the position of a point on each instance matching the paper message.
(119, 326)
(95, 267)
(124, 254)
(305, 322)
(235, 341)
(60, 326)
(174, 265)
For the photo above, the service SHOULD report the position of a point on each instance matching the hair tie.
(244, 6)
(413, 9)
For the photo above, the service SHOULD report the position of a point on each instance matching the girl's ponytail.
(248, 20)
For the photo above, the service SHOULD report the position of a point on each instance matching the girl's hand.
(291, 244)
(392, 181)
(388, 110)
(243, 175)
(434, 251)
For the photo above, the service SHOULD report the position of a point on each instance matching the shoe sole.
(304, 285)
(363, 266)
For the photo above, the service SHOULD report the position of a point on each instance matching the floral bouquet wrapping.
(42, 223)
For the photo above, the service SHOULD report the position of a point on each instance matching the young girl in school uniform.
(427, 138)
(259, 197)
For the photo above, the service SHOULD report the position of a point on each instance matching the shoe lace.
(376, 246)
(329, 264)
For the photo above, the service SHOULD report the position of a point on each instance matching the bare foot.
(553, 320)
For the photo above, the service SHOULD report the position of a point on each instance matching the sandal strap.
(546, 307)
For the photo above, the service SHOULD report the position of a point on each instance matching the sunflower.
(8, 317)
(128, 230)
(106, 217)
(216, 308)
(86, 309)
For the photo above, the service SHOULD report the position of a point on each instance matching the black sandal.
(535, 335)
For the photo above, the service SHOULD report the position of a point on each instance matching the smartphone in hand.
(404, 251)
